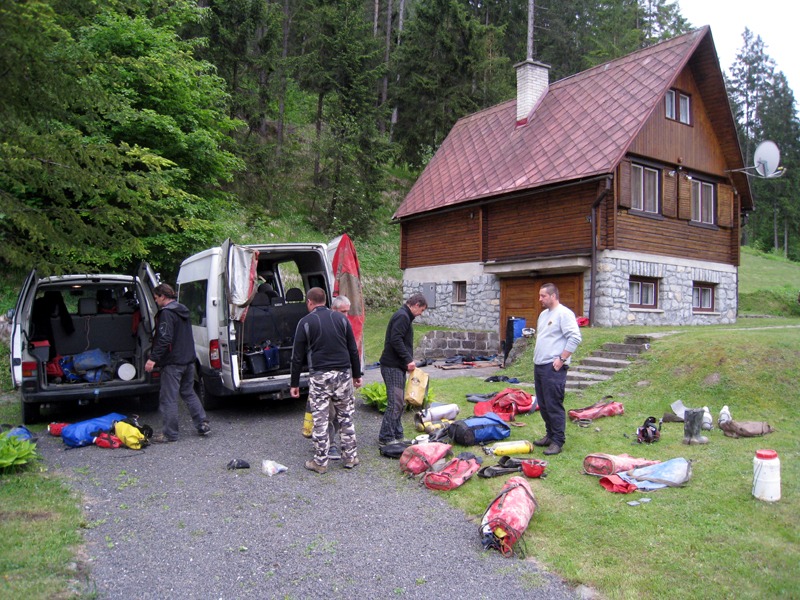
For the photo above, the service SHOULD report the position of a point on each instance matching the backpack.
(452, 475)
(507, 403)
(648, 433)
(416, 388)
(131, 434)
(419, 458)
(83, 433)
(507, 516)
(479, 430)
(393, 450)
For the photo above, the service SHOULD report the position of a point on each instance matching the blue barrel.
(518, 324)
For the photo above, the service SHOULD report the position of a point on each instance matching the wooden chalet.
(617, 184)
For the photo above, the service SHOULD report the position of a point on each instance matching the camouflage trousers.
(332, 388)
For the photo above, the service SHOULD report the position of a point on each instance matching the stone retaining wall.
(444, 344)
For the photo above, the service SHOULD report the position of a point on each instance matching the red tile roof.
(580, 128)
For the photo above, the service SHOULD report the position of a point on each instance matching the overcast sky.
(774, 20)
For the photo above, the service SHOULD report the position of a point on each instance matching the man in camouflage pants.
(325, 338)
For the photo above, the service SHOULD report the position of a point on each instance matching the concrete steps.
(603, 364)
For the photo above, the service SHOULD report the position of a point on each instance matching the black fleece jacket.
(173, 343)
(326, 338)
(398, 347)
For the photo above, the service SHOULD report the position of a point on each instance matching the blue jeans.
(550, 386)
(391, 428)
(178, 379)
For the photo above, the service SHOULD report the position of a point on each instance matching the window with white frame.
(644, 189)
(678, 107)
(703, 297)
(684, 105)
(669, 104)
(459, 292)
(642, 292)
(702, 202)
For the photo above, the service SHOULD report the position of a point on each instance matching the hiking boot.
(160, 438)
(542, 442)
(334, 453)
(204, 428)
(349, 464)
(552, 449)
(312, 466)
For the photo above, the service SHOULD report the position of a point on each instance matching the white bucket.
(767, 476)
(126, 371)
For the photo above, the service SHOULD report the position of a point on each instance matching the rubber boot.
(692, 423)
(708, 421)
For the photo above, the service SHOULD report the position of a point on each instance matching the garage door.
(519, 297)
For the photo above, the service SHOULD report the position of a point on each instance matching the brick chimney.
(532, 81)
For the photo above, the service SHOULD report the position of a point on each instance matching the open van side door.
(347, 282)
(22, 314)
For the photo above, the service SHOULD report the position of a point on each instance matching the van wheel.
(30, 413)
(207, 399)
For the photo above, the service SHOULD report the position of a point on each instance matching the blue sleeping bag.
(83, 433)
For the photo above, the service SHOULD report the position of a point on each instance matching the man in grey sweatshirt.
(557, 337)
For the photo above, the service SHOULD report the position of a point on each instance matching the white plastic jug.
(767, 476)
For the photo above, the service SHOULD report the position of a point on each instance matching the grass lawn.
(710, 539)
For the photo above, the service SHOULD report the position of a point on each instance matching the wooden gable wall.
(679, 150)
(694, 146)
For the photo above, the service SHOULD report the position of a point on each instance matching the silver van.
(83, 338)
(245, 302)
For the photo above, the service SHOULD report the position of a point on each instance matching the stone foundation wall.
(480, 312)
(674, 293)
(444, 344)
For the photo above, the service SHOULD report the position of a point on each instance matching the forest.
(130, 130)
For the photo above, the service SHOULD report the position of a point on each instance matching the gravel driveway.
(172, 521)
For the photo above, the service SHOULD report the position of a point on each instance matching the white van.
(83, 338)
(245, 303)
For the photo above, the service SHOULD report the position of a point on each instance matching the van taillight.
(213, 354)
(29, 368)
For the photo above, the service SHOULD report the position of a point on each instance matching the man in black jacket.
(173, 353)
(397, 360)
(325, 338)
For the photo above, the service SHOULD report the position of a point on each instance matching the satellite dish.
(767, 158)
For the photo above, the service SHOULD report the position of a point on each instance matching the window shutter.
(684, 198)
(669, 199)
(724, 205)
(624, 199)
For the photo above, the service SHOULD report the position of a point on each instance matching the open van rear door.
(239, 274)
(149, 280)
(22, 314)
(347, 282)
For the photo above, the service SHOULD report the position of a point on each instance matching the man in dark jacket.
(325, 339)
(173, 353)
(397, 360)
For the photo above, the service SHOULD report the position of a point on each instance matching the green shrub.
(374, 394)
(16, 454)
